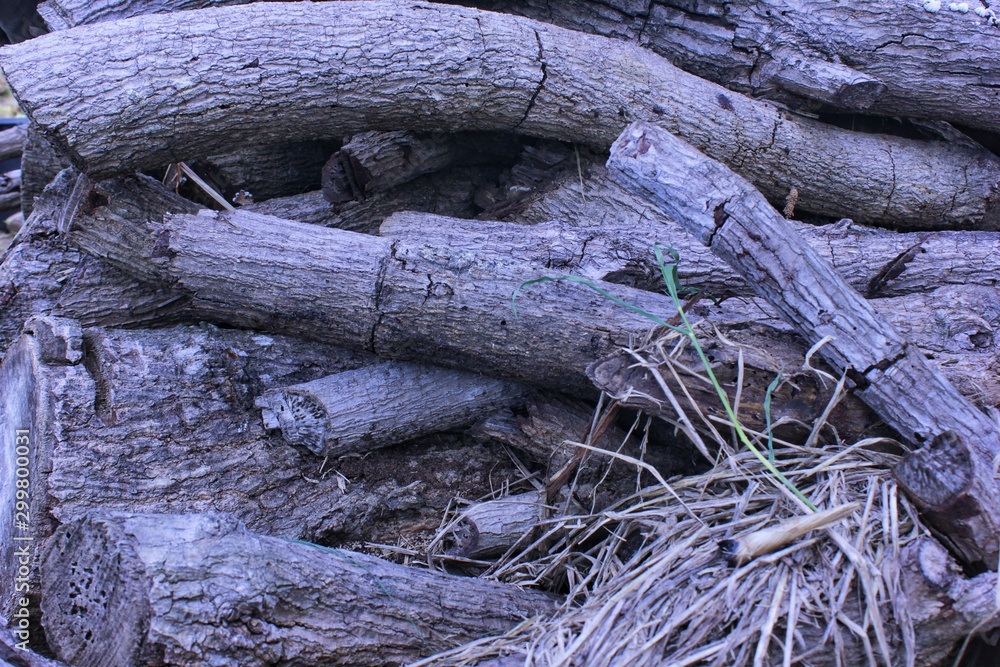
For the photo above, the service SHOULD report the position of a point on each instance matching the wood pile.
(337, 332)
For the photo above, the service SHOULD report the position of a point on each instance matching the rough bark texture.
(12, 141)
(202, 589)
(954, 325)
(381, 405)
(886, 59)
(40, 163)
(497, 525)
(524, 76)
(163, 420)
(887, 372)
(403, 301)
(63, 14)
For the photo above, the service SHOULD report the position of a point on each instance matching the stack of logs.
(205, 405)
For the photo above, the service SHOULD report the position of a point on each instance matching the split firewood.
(878, 179)
(728, 215)
(380, 405)
(313, 605)
(377, 161)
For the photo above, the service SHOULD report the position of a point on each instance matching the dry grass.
(648, 586)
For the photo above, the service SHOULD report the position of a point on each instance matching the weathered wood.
(380, 405)
(727, 214)
(64, 14)
(10, 190)
(923, 261)
(951, 323)
(12, 141)
(202, 589)
(15, 652)
(40, 163)
(882, 59)
(376, 161)
(546, 71)
(497, 525)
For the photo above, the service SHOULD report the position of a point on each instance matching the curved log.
(201, 589)
(526, 77)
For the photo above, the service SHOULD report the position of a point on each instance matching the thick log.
(378, 161)
(951, 323)
(882, 59)
(40, 163)
(546, 71)
(381, 405)
(878, 263)
(727, 214)
(202, 589)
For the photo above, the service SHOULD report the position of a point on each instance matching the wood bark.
(12, 141)
(882, 59)
(41, 162)
(380, 405)
(497, 525)
(64, 14)
(377, 161)
(202, 589)
(10, 190)
(727, 214)
(528, 78)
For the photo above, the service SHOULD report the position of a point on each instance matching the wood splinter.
(742, 550)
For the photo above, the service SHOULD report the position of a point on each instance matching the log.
(201, 589)
(381, 405)
(434, 326)
(12, 141)
(41, 162)
(15, 652)
(878, 263)
(497, 525)
(951, 323)
(728, 215)
(64, 14)
(881, 59)
(125, 428)
(378, 161)
(884, 180)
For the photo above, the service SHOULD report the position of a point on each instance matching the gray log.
(727, 214)
(949, 321)
(546, 72)
(10, 190)
(885, 59)
(380, 405)
(40, 164)
(64, 14)
(12, 141)
(377, 161)
(202, 589)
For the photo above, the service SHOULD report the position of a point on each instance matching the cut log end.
(95, 580)
(942, 478)
(300, 418)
